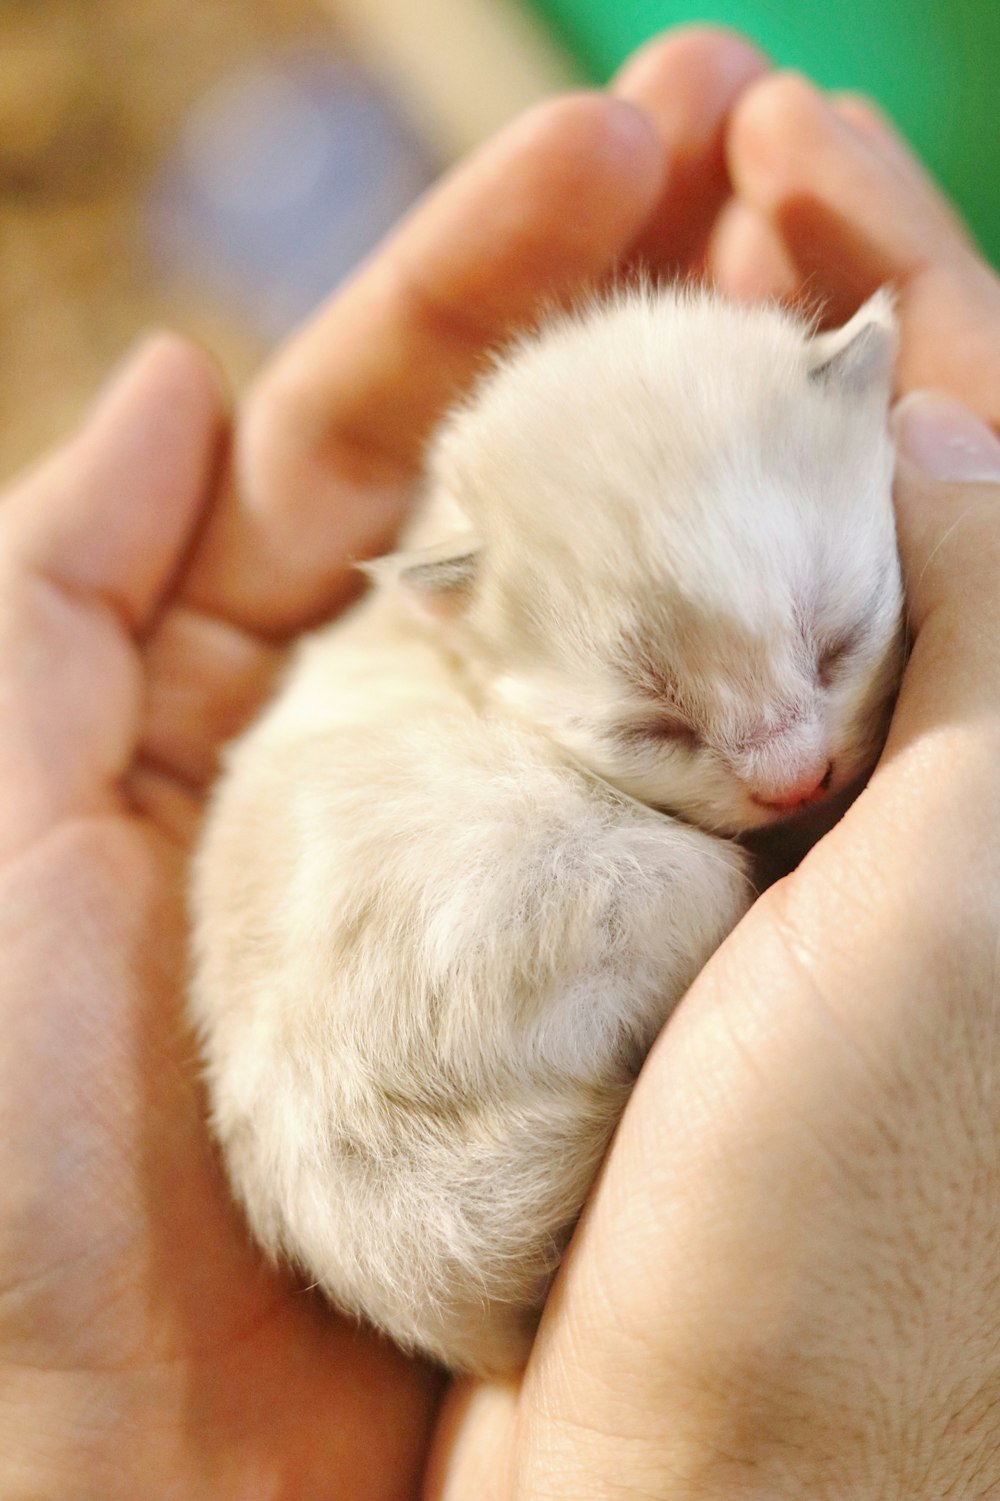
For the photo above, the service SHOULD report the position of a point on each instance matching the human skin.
(148, 583)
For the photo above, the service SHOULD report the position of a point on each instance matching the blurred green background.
(934, 65)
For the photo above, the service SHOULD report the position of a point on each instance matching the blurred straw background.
(217, 167)
(92, 93)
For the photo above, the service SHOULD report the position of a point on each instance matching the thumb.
(948, 517)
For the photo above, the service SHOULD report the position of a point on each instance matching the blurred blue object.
(284, 178)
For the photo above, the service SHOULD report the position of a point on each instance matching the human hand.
(144, 1348)
(785, 1282)
(144, 602)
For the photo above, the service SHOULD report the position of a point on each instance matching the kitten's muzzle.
(811, 787)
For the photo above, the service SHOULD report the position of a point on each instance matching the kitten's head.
(678, 551)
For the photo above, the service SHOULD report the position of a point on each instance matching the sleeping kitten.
(457, 876)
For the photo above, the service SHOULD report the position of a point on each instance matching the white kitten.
(439, 917)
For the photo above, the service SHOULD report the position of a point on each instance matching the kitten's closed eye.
(835, 654)
(657, 729)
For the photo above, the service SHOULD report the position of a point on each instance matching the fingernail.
(947, 441)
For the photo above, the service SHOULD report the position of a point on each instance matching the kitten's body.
(438, 921)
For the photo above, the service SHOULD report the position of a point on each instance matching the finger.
(206, 679)
(111, 514)
(747, 260)
(334, 431)
(88, 543)
(850, 220)
(473, 1444)
(686, 84)
(934, 800)
(877, 130)
(948, 504)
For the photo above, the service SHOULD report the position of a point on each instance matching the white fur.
(439, 918)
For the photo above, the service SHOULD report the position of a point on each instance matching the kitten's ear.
(859, 357)
(437, 582)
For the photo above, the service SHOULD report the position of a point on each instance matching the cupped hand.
(785, 1282)
(144, 1349)
(148, 583)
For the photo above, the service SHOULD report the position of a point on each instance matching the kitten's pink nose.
(800, 793)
